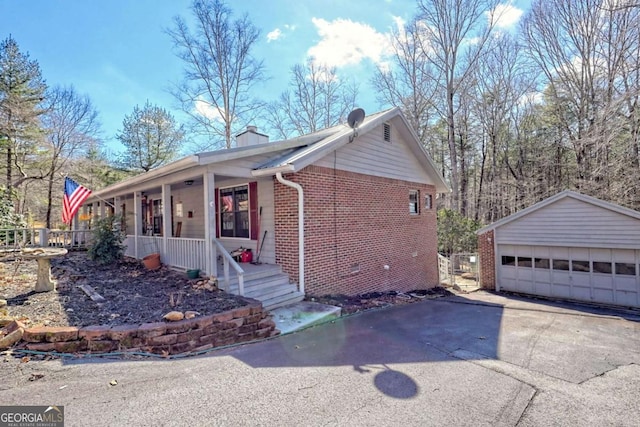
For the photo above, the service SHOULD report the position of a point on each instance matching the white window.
(414, 204)
(428, 201)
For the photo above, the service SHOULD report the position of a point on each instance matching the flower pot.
(152, 261)
(193, 274)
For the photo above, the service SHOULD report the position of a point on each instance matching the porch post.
(82, 226)
(209, 197)
(166, 219)
(102, 209)
(137, 222)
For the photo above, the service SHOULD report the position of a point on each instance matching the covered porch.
(195, 219)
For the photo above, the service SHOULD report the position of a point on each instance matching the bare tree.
(317, 99)
(583, 50)
(456, 33)
(219, 68)
(71, 125)
(501, 91)
(410, 81)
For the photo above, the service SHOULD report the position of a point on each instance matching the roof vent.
(386, 129)
(251, 137)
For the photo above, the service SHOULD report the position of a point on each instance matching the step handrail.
(228, 260)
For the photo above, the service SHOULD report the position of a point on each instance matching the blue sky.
(117, 53)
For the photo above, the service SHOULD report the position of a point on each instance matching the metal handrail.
(228, 260)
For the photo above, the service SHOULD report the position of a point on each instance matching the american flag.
(74, 195)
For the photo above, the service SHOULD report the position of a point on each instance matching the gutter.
(142, 178)
(287, 168)
(298, 187)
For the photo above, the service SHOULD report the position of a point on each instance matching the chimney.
(251, 137)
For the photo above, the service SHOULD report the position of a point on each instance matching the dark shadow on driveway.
(386, 336)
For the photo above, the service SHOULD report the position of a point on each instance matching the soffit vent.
(386, 129)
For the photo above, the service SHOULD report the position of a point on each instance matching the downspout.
(300, 226)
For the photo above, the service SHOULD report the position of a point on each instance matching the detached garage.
(569, 246)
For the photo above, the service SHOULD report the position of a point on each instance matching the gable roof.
(293, 154)
(341, 136)
(553, 199)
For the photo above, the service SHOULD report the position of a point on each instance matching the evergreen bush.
(107, 244)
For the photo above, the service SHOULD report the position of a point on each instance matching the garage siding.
(572, 222)
(570, 246)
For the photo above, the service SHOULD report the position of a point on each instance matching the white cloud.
(278, 34)
(274, 35)
(505, 15)
(472, 41)
(399, 21)
(531, 98)
(345, 42)
(207, 110)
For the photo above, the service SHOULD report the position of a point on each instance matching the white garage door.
(609, 276)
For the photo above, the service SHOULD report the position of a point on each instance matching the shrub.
(9, 220)
(456, 234)
(107, 244)
(8, 217)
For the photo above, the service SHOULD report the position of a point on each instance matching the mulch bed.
(355, 304)
(133, 294)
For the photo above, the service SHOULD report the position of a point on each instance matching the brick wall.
(487, 260)
(355, 225)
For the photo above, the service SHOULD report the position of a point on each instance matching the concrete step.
(282, 300)
(303, 314)
(261, 283)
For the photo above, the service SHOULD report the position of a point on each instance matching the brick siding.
(356, 224)
(487, 260)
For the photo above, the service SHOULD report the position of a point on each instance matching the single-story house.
(341, 210)
(569, 246)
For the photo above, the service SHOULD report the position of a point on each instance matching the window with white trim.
(428, 201)
(414, 202)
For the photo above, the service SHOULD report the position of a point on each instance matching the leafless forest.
(510, 115)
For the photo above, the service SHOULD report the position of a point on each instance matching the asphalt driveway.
(478, 359)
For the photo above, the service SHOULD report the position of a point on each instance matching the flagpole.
(103, 200)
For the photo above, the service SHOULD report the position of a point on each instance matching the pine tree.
(151, 138)
(22, 90)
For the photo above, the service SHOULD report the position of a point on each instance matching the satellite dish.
(355, 118)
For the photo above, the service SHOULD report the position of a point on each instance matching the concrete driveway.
(474, 360)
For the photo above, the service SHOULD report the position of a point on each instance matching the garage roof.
(562, 195)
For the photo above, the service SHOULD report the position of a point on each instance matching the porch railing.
(149, 245)
(228, 260)
(16, 238)
(70, 238)
(130, 246)
(22, 237)
(189, 254)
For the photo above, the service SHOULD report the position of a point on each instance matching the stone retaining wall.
(239, 325)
